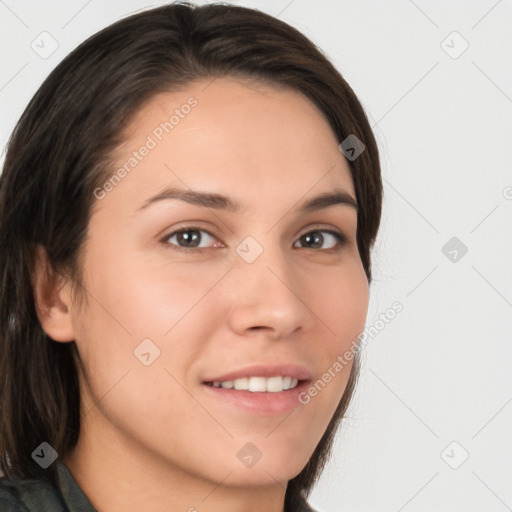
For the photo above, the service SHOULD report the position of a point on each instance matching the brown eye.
(315, 239)
(188, 238)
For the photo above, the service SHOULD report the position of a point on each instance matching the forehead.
(231, 135)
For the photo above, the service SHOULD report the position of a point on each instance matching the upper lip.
(294, 371)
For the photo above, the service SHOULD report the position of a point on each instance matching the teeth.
(287, 382)
(241, 383)
(258, 384)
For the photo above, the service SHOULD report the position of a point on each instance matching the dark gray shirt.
(41, 496)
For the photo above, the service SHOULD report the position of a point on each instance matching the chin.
(269, 472)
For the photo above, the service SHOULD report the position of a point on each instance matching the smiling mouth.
(275, 384)
(259, 395)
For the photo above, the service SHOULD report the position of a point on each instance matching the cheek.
(145, 295)
(140, 313)
(342, 305)
(136, 308)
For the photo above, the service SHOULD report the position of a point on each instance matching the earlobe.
(52, 299)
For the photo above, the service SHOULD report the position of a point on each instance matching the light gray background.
(439, 372)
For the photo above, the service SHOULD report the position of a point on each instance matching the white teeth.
(287, 382)
(259, 384)
(241, 384)
(274, 384)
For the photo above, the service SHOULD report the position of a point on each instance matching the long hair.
(59, 153)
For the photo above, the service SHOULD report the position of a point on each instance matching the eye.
(314, 239)
(188, 238)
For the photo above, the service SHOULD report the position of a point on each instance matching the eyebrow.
(221, 202)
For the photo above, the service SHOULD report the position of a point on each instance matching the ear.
(52, 299)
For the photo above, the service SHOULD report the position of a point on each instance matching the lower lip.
(281, 402)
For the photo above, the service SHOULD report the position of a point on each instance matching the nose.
(268, 295)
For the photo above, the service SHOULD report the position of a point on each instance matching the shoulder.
(9, 500)
(28, 496)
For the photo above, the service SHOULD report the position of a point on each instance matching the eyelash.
(340, 237)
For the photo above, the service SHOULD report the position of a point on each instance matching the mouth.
(261, 395)
(274, 384)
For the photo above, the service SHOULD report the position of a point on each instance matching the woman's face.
(266, 283)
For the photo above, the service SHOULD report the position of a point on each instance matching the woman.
(187, 209)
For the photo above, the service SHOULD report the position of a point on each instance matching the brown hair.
(59, 153)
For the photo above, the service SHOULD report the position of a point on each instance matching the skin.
(152, 433)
